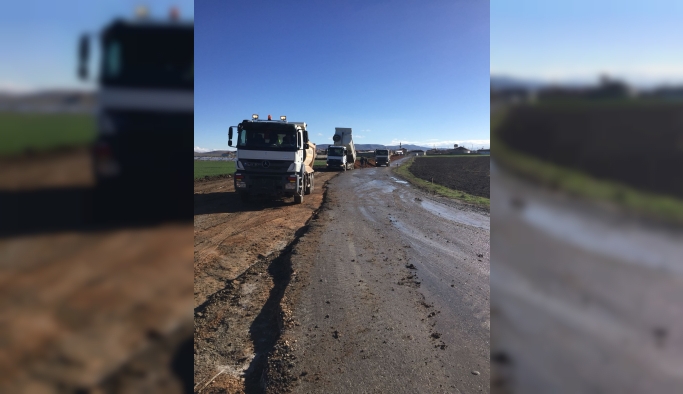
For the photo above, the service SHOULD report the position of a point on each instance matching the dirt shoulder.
(240, 274)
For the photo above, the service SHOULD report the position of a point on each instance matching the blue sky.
(40, 38)
(576, 40)
(410, 71)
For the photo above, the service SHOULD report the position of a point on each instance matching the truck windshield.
(148, 57)
(382, 152)
(267, 139)
(335, 151)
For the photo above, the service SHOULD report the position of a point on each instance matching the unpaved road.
(381, 289)
(88, 309)
(238, 254)
(584, 298)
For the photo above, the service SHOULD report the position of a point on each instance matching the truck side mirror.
(306, 146)
(230, 136)
(83, 56)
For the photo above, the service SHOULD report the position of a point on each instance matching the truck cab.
(382, 157)
(336, 157)
(274, 158)
(343, 154)
(145, 113)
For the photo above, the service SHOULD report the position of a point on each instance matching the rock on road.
(398, 293)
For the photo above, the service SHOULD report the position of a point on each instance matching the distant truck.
(382, 157)
(274, 158)
(342, 153)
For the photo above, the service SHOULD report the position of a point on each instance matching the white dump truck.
(341, 154)
(274, 157)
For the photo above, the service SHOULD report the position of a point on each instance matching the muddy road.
(380, 287)
(396, 294)
(585, 298)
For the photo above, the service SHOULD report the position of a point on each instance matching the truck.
(274, 158)
(342, 153)
(144, 116)
(382, 157)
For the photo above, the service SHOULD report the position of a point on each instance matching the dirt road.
(383, 288)
(585, 299)
(395, 294)
(83, 308)
(237, 255)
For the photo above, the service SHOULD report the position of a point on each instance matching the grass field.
(405, 173)
(212, 168)
(42, 132)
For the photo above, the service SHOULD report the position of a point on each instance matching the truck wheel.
(298, 199)
(307, 184)
(312, 183)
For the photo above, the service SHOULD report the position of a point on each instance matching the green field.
(42, 132)
(212, 168)
(403, 171)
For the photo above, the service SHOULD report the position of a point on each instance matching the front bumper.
(266, 184)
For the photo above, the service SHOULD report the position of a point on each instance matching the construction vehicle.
(342, 153)
(382, 157)
(274, 158)
(145, 115)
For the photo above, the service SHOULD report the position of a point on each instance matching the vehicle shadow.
(230, 202)
(56, 210)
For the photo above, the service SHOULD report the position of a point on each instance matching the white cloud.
(360, 136)
(320, 133)
(201, 150)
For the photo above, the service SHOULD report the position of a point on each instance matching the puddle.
(399, 181)
(455, 215)
(627, 243)
(376, 184)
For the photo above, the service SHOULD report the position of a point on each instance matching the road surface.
(396, 295)
(584, 299)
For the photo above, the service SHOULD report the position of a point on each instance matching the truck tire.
(312, 183)
(307, 184)
(298, 199)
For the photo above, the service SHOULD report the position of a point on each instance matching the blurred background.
(96, 130)
(586, 197)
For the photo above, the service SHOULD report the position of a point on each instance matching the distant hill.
(501, 82)
(49, 101)
(215, 153)
(378, 146)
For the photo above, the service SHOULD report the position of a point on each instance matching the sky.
(577, 40)
(40, 38)
(394, 71)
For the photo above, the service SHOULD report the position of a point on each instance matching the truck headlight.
(239, 165)
(292, 168)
